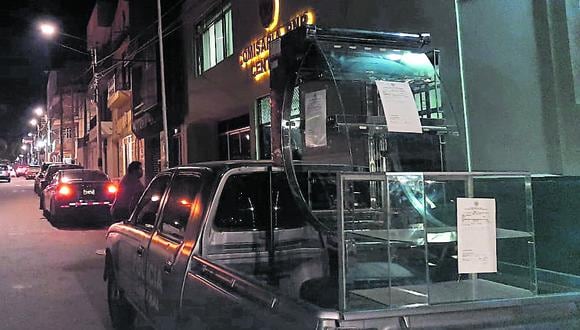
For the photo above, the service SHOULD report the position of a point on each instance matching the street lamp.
(38, 111)
(43, 117)
(33, 122)
(47, 29)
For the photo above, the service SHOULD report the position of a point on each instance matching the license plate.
(87, 192)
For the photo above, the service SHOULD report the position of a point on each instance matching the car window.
(3, 168)
(55, 178)
(182, 200)
(84, 175)
(148, 207)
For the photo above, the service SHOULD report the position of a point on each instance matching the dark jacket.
(130, 190)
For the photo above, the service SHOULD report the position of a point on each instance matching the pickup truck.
(226, 245)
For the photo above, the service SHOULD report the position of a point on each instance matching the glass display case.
(403, 224)
(398, 239)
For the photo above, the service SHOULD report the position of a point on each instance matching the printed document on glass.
(399, 107)
(476, 235)
(315, 123)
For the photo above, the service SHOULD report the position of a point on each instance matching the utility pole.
(163, 95)
(48, 149)
(61, 124)
(98, 117)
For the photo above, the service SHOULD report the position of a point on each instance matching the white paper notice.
(315, 111)
(476, 235)
(399, 107)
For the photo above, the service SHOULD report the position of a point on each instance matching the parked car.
(79, 195)
(4, 173)
(32, 171)
(51, 171)
(12, 171)
(40, 176)
(21, 170)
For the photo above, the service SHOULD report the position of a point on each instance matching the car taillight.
(64, 190)
(111, 188)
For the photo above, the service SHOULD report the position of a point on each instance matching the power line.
(144, 31)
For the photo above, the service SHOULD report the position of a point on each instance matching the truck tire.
(120, 310)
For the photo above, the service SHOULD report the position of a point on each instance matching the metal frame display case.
(398, 239)
(383, 201)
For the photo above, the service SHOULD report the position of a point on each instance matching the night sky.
(25, 58)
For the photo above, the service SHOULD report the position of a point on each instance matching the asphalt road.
(50, 278)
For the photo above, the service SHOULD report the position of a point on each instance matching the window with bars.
(264, 115)
(214, 39)
(67, 132)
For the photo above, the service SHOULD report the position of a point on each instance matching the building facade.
(514, 81)
(511, 82)
(65, 104)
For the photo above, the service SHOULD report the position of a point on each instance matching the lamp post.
(49, 30)
(40, 114)
(35, 123)
(163, 95)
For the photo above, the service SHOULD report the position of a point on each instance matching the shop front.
(147, 127)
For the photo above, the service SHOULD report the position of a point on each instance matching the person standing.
(130, 190)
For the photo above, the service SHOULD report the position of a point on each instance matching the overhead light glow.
(38, 111)
(47, 29)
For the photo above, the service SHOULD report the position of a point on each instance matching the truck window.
(146, 211)
(180, 203)
(240, 240)
(244, 204)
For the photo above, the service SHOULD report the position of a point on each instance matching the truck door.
(169, 252)
(132, 249)
(230, 283)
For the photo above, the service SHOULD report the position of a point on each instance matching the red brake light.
(111, 188)
(64, 190)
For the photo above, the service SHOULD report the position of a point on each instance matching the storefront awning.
(147, 122)
(106, 130)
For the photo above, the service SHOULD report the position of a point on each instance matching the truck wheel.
(120, 310)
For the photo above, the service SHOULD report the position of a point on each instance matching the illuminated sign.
(269, 11)
(254, 57)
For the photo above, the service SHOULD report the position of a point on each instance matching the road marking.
(21, 286)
